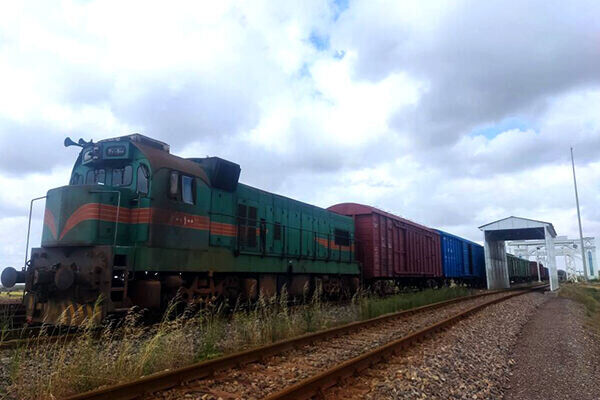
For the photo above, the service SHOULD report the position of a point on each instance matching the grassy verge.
(589, 297)
(11, 294)
(60, 369)
(371, 307)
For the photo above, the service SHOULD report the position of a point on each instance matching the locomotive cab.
(90, 227)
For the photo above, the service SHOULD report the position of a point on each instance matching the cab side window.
(187, 189)
(181, 187)
(142, 179)
(77, 179)
(174, 185)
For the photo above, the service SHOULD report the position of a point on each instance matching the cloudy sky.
(452, 114)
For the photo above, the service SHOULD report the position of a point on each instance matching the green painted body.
(243, 230)
(160, 246)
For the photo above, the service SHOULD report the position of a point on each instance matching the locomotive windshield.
(122, 176)
(118, 176)
(95, 176)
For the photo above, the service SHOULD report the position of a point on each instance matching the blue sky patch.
(493, 130)
(340, 7)
(339, 54)
(304, 70)
(321, 42)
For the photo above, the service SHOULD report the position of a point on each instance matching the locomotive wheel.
(230, 287)
(332, 287)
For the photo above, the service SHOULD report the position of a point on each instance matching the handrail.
(118, 192)
(29, 228)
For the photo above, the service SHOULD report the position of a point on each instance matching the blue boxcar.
(462, 259)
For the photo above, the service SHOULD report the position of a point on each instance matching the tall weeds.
(117, 354)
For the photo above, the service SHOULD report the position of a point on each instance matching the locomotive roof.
(362, 209)
(158, 156)
(161, 159)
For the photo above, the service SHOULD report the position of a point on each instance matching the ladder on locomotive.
(118, 288)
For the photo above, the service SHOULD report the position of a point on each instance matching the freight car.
(393, 249)
(544, 272)
(518, 269)
(533, 271)
(462, 260)
(137, 225)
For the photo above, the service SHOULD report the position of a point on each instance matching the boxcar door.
(465, 258)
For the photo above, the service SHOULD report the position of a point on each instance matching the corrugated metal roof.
(513, 222)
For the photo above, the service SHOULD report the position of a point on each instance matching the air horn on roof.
(80, 143)
(69, 142)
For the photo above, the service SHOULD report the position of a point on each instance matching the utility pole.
(585, 274)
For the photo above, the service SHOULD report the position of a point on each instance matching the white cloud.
(382, 111)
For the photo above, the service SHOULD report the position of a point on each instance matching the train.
(533, 271)
(140, 226)
(522, 270)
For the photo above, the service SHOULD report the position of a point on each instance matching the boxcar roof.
(458, 237)
(362, 209)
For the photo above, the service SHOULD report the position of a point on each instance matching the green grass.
(133, 350)
(589, 297)
(371, 307)
(11, 294)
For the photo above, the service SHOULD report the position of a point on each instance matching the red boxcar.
(544, 272)
(390, 247)
(533, 271)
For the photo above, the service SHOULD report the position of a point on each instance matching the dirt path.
(556, 358)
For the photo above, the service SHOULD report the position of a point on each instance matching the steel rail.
(170, 378)
(35, 340)
(314, 386)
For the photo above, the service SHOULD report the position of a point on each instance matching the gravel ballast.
(557, 357)
(472, 360)
(257, 380)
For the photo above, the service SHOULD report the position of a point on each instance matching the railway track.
(33, 336)
(14, 333)
(317, 384)
(12, 312)
(168, 379)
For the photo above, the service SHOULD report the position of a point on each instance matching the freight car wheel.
(431, 284)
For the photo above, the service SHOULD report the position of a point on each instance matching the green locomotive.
(138, 226)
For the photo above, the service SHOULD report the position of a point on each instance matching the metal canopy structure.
(563, 247)
(496, 233)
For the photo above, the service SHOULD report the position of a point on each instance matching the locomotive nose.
(11, 276)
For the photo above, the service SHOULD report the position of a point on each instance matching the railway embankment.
(471, 360)
(558, 356)
(537, 346)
